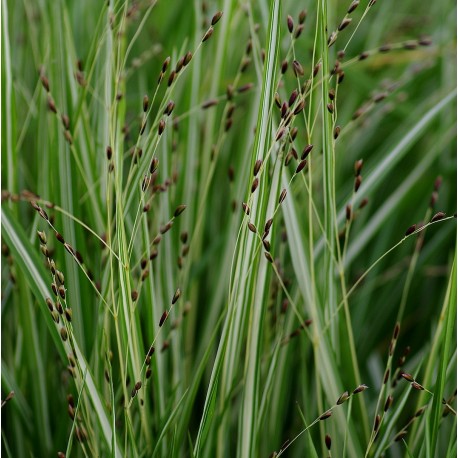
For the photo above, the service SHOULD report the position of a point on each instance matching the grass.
(228, 234)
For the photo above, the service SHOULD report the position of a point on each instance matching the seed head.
(345, 22)
(297, 68)
(282, 196)
(257, 167)
(399, 436)
(179, 210)
(330, 108)
(438, 216)
(298, 31)
(208, 34)
(216, 17)
(360, 388)
(252, 228)
(63, 334)
(358, 181)
(290, 23)
(301, 166)
(176, 296)
(354, 4)
(245, 208)
(388, 402)
(327, 441)
(325, 415)
(299, 108)
(343, 397)
(302, 16)
(284, 66)
(336, 132)
(169, 108)
(407, 376)
(161, 127)
(254, 185)
(268, 257)
(417, 386)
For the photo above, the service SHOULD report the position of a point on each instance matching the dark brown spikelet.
(292, 98)
(325, 415)
(330, 107)
(343, 397)
(163, 318)
(65, 121)
(143, 127)
(360, 388)
(68, 137)
(44, 82)
(293, 133)
(169, 108)
(299, 107)
(208, 34)
(284, 66)
(316, 69)
(134, 295)
(358, 167)
(50, 304)
(388, 402)
(377, 423)
(407, 376)
(386, 376)
(171, 78)
(109, 152)
(417, 386)
(358, 181)
(216, 17)
(363, 56)
(257, 167)
(438, 216)
(59, 237)
(332, 94)
(340, 77)
(297, 68)
(252, 228)
(166, 227)
(290, 23)
(266, 244)
(437, 183)
(298, 31)
(254, 185)
(354, 4)
(161, 127)
(332, 39)
(411, 230)
(245, 208)
(336, 132)
(51, 104)
(396, 330)
(306, 151)
(176, 296)
(187, 58)
(245, 88)
(62, 292)
(302, 16)
(284, 110)
(41, 236)
(400, 435)
(385, 48)
(153, 165)
(165, 64)
(301, 166)
(282, 196)
(269, 257)
(268, 225)
(348, 212)
(209, 103)
(345, 22)
(68, 314)
(179, 210)
(145, 103)
(280, 133)
(425, 41)
(327, 441)
(63, 334)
